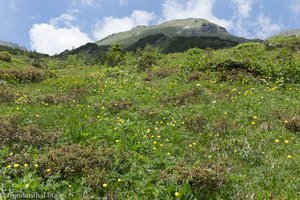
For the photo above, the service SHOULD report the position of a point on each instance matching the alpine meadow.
(158, 112)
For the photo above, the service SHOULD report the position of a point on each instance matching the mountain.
(289, 33)
(171, 36)
(11, 45)
(192, 32)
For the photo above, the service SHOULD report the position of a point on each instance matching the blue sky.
(51, 26)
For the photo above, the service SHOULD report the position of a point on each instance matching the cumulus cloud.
(110, 25)
(57, 36)
(180, 9)
(264, 27)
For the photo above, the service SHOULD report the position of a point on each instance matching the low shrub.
(184, 98)
(5, 56)
(120, 105)
(6, 96)
(24, 76)
(293, 124)
(75, 159)
(195, 123)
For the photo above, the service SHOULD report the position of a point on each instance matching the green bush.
(115, 56)
(5, 56)
(147, 57)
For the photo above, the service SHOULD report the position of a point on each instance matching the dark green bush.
(22, 76)
(147, 57)
(75, 159)
(196, 123)
(5, 56)
(115, 56)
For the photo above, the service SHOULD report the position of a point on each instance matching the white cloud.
(87, 2)
(65, 18)
(295, 7)
(264, 27)
(110, 25)
(57, 36)
(123, 2)
(180, 9)
(244, 8)
(241, 17)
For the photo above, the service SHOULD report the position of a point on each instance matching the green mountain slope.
(191, 27)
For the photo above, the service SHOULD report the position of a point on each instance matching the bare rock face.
(211, 28)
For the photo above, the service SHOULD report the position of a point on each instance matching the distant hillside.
(11, 45)
(168, 33)
(289, 33)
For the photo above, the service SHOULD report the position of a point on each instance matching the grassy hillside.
(203, 124)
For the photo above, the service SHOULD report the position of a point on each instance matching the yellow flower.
(158, 136)
(118, 141)
(289, 156)
(25, 165)
(194, 143)
(154, 142)
(253, 123)
(27, 185)
(16, 165)
(277, 141)
(104, 185)
(48, 170)
(286, 141)
(11, 154)
(154, 148)
(36, 165)
(286, 121)
(8, 166)
(119, 180)
(255, 117)
(190, 145)
(177, 194)
(168, 154)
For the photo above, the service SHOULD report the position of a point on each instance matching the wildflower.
(286, 121)
(8, 166)
(277, 141)
(11, 154)
(255, 117)
(194, 143)
(190, 145)
(16, 165)
(168, 154)
(25, 165)
(158, 136)
(154, 142)
(104, 185)
(253, 123)
(117, 141)
(154, 148)
(48, 170)
(119, 180)
(286, 141)
(177, 194)
(289, 156)
(36, 165)
(27, 186)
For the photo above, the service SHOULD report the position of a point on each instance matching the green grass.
(91, 132)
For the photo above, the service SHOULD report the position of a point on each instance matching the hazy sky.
(51, 26)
